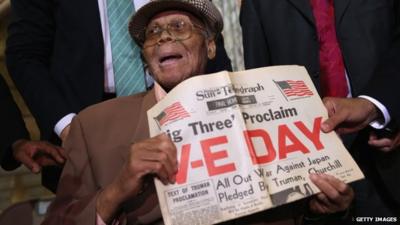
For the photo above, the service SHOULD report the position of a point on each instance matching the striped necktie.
(128, 68)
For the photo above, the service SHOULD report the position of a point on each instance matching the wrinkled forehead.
(167, 16)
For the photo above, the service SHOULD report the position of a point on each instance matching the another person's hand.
(155, 156)
(335, 195)
(347, 115)
(65, 132)
(36, 154)
(385, 144)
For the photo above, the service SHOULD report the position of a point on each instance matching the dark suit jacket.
(55, 54)
(97, 149)
(284, 32)
(388, 76)
(384, 87)
(12, 127)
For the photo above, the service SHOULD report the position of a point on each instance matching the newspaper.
(247, 141)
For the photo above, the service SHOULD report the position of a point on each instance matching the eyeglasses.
(178, 29)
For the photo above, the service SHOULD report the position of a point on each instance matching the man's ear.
(211, 49)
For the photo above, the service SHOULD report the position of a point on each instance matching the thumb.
(30, 163)
(35, 168)
(329, 124)
(332, 122)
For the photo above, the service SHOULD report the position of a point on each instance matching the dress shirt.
(99, 221)
(377, 124)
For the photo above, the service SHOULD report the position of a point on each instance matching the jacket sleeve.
(31, 37)
(75, 201)
(255, 43)
(384, 84)
(12, 125)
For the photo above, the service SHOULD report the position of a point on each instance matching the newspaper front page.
(247, 141)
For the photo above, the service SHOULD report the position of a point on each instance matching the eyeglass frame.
(167, 29)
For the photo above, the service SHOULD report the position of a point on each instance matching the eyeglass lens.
(178, 29)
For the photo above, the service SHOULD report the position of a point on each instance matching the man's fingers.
(29, 163)
(62, 152)
(51, 151)
(330, 186)
(159, 153)
(380, 143)
(327, 124)
(157, 169)
(35, 168)
(35, 154)
(323, 199)
(337, 184)
(347, 130)
(329, 105)
(169, 148)
(348, 115)
(313, 206)
(333, 122)
(45, 160)
(161, 158)
(335, 116)
(337, 192)
(336, 195)
(386, 149)
(317, 207)
(373, 136)
(385, 144)
(323, 185)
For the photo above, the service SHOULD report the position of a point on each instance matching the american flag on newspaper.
(293, 88)
(172, 113)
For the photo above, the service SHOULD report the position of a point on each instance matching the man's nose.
(165, 36)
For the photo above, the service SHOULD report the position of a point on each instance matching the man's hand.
(347, 115)
(385, 144)
(335, 195)
(36, 154)
(155, 156)
(64, 133)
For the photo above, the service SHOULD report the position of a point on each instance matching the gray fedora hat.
(203, 9)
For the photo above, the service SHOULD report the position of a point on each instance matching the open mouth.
(170, 58)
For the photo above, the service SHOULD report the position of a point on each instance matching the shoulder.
(113, 108)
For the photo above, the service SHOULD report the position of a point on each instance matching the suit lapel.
(145, 206)
(142, 130)
(340, 8)
(93, 21)
(305, 9)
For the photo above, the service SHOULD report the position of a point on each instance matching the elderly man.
(110, 154)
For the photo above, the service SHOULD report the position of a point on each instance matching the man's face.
(173, 56)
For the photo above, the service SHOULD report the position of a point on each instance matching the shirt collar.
(159, 92)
